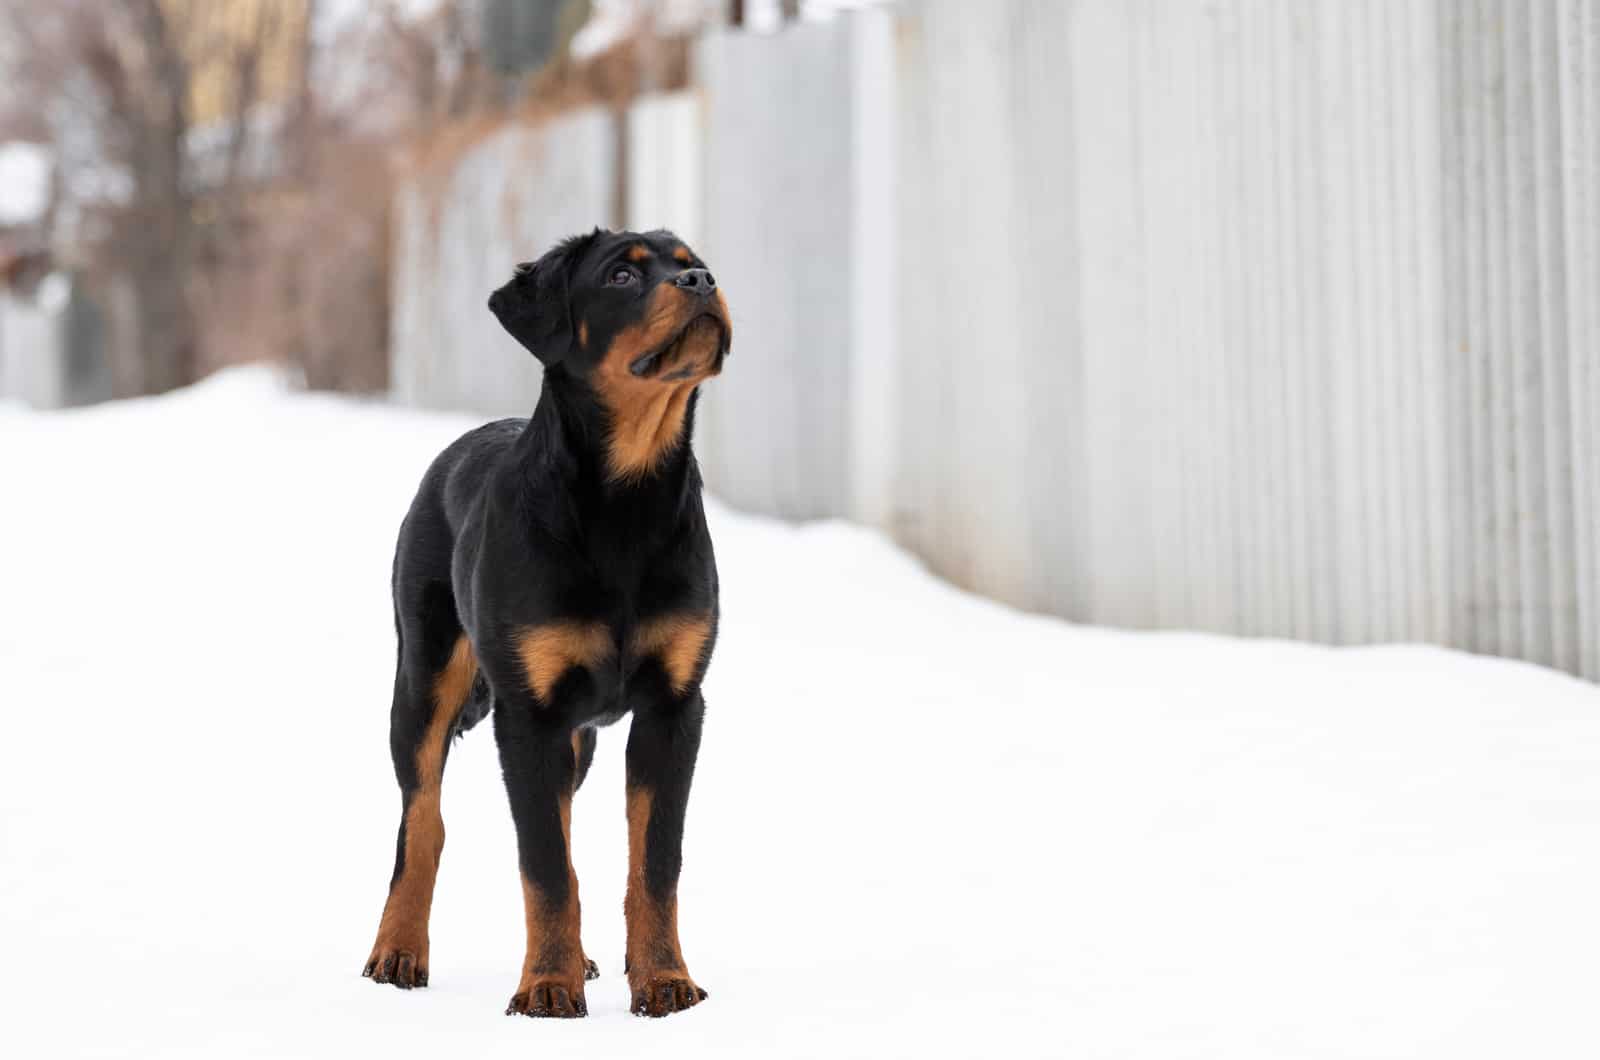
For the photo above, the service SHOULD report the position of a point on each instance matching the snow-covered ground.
(924, 825)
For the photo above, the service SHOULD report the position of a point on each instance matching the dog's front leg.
(662, 745)
(540, 767)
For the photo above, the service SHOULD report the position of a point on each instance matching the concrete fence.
(1276, 317)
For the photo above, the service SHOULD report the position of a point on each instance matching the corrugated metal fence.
(1275, 317)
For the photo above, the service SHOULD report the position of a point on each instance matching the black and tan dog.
(557, 573)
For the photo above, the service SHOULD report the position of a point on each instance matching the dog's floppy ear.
(535, 306)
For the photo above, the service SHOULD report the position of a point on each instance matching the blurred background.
(1271, 317)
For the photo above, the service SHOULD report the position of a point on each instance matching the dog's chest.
(670, 647)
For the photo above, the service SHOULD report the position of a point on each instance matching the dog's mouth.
(697, 349)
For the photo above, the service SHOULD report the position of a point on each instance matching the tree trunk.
(164, 327)
(158, 237)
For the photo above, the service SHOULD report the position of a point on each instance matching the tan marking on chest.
(678, 641)
(647, 425)
(549, 651)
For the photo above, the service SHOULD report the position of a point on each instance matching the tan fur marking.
(648, 428)
(638, 253)
(647, 413)
(652, 925)
(583, 333)
(404, 926)
(682, 255)
(678, 640)
(655, 956)
(549, 651)
(450, 692)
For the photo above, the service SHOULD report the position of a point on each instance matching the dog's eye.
(621, 276)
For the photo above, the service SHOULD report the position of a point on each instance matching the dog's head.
(618, 308)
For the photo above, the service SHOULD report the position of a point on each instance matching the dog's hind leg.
(433, 680)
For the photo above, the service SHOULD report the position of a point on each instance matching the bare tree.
(226, 173)
(144, 82)
(116, 80)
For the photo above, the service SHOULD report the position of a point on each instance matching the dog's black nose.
(699, 281)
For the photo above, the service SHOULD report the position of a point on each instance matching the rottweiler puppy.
(556, 573)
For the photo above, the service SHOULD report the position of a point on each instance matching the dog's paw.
(549, 997)
(591, 970)
(402, 967)
(665, 994)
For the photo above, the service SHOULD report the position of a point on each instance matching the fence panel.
(777, 214)
(458, 234)
(1321, 362)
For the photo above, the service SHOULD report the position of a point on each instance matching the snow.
(924, 825)
(24, 182)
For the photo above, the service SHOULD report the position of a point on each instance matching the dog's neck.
(572, 433)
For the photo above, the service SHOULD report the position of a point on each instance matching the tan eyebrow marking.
(638, 253)
(682, 254)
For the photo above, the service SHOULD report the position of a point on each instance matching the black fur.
(527, 524)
